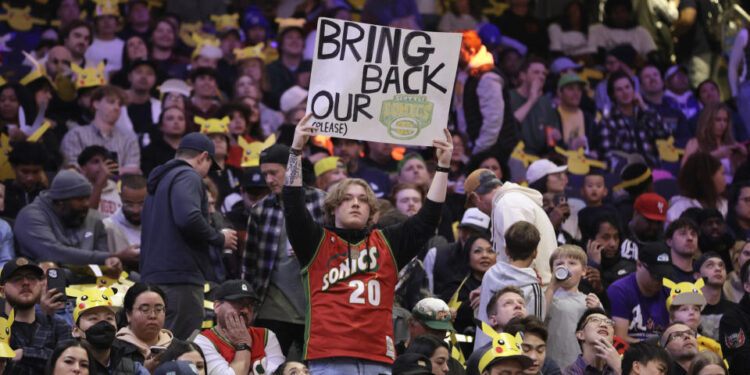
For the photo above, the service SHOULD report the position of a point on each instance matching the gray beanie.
(69, 184)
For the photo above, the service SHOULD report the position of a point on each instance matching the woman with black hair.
(185, 351)
(433, 348)
(70, 357)
(619, 27)
(569, 35)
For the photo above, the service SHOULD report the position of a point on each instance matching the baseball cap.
(684, 293)
(656, 257)
(141, 61)
(434, 313)
(175, 85)
(327, 164)
(412, 364)
(674, 69)
(489, 34)
(231, 290)
(541, 168)
(475, 219)
(651, 205)
(407, 157)
(563, 63)
(199, 142)
(706, 256)
(568, 79)
(90, 298)
(17, 264)
(176, 368)
(292, 98)
(276, 153)
(252, 177)
(481, 181)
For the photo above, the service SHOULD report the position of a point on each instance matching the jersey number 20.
(373, 292)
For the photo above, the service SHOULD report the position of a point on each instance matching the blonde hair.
(569, 251)
(704, 359)
(336, 196)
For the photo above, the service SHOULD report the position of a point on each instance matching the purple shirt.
(648, 316)
(581, 367)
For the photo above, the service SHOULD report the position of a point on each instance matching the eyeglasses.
(598, 321)
(147, 310)
(680, 335)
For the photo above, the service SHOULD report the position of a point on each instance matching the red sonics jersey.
(350, 291)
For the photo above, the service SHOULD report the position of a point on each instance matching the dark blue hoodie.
(176, 232)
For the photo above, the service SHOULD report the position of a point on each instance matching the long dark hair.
(61, 347)
(695, 179)
(426, 345)
(564, 20)
(734, 197)
(178, 348)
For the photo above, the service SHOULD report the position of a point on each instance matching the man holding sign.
(381, 84)
(349, 271)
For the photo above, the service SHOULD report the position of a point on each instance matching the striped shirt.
(78, 138)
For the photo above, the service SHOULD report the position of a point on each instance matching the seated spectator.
(34, 334)
(232, 345)
(738, 211)
(631, 126)
(96, 164)
(203, 103)
(569, 35)
(186, 351)
(638, 299)
(55, 226)
(702, 184)
(462, 15)
(684, 304)
(531, 108)
(105, 44)
(565, 302)
(407, 198)
(733, 288)
(715, 136)
(144, 308)
(714, 234)
(69, 356)
(329, 171)
(620, 27)
(94, 317)
(124, 226)
(505, 304)
(595, 333)
(708, 93)
(577, 125)
(648, 220)
(619, 58)
(135, 48)
(642, 357)
(27, 160)
(143, 109)
(534, 344)
(594, 191)
(678, 89)
(521, 242)
(433, 348)
(291, 44)
(107, 102)
(226, 177)
(405, 364)
(679, 341)
(652, 88)
(682, 239)
(707, 362)
(635, 179)
(163, 148)
(481, 256)
(379, 156)
(298, 368)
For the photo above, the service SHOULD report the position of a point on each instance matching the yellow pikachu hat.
(685, 293)
(20, 19)
(89, 77)
(213, 125)
(225, 21)
(5, 350)
(107, 8)
(287, 23)
(89, 298)
(207, 46)
(37, 71)
(251, 151)
(256, 51)
(504, 346)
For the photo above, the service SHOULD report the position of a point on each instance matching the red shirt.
(257, 349)
(350, 289)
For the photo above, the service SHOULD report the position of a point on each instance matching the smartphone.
(559, 199)
(157, 349)
(56, 280)
(112, 155)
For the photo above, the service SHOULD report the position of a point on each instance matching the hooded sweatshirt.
(176, 233)
(498, 277)
(42, 235)
(127, 335)
(512, 203)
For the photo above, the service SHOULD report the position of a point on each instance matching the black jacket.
(176, 232)
(733, 330)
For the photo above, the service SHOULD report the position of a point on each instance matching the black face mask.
(101, 335)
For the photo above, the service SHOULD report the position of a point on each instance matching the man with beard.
(713, 235)
(233, 345)
(76, 38)
(679, 341)
(34, 335)
(94, 317)
(57, 226)
(124, 226)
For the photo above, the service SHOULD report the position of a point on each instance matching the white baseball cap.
(475, 219)
(541, 168)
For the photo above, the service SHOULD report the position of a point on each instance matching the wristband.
(295, 151)
(442, 169)
(242, 346)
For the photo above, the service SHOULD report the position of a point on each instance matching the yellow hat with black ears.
(89, 77)
(37, 71)
(207, 46)
(685, 293)
(289, 23)
(225, 21)
(5, 323)
(20, 19)
(89, 298)
(504, 346)
(107, 8)
(213, 125)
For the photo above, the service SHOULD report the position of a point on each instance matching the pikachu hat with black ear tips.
(685, 293)
(89, 298)
(5, 350)
(504, 346)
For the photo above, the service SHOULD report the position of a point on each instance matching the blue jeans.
(347, 366)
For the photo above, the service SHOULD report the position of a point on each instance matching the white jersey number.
(358, 294)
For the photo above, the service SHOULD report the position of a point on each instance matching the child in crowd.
(594, 190)
(684, 305)
(565, 303)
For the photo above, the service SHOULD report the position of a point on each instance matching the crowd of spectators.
(587, 210)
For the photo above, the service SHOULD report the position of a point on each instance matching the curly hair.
(336, 196)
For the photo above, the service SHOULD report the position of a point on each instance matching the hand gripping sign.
(382, 84)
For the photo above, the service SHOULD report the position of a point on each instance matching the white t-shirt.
(601, 36)
(110, 50)
(570, 43)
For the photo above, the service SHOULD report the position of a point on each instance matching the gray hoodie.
(42, 236)
(498, 277)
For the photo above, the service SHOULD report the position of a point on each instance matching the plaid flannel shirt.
(50, 330)
(264, 227)
(634, 135)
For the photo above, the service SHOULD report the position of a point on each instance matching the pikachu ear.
(270, 141)
(581, 150)
(73, 292)
(11, 317)
(668, 283)
(519, 338)
(243, 143)
(699, 284)
(489, 331)
(199, 120)
(100, 67)
(74, 66)
(225, 120)
(236, 17)
(215, 18)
